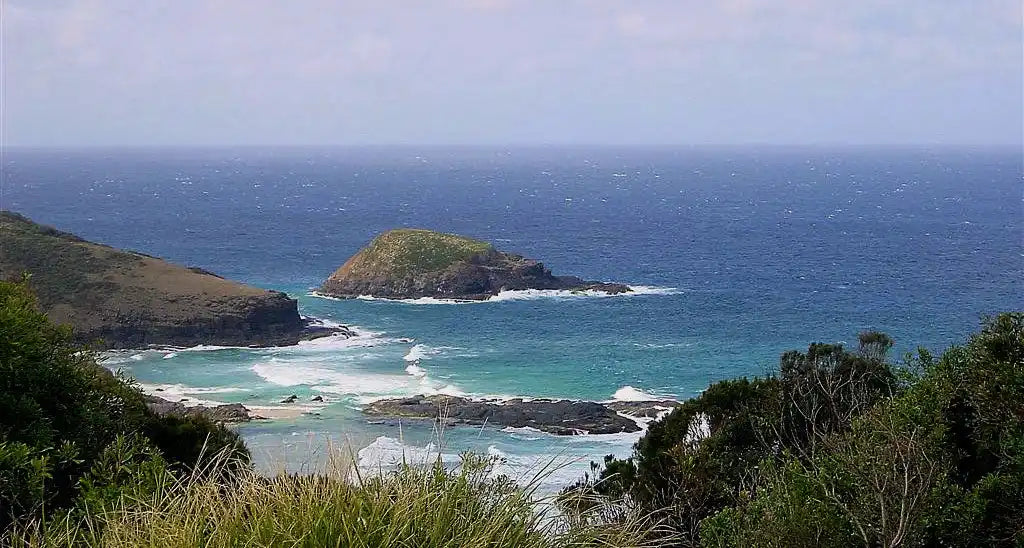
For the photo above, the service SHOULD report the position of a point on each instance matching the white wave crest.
(629, 393)
(346, 381)
(186, 395)
(419, 352)
(527, 295)
(423, 352)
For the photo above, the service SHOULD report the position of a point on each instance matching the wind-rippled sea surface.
(738, 254)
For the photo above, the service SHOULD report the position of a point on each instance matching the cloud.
(526, 70)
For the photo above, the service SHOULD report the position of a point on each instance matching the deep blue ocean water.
(744, 253)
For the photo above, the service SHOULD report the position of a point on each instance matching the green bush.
(840, 448)
(61, 413)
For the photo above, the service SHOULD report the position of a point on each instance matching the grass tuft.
(425, 505)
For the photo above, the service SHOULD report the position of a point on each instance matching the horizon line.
(65, 146)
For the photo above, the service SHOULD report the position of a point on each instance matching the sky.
(506, 72)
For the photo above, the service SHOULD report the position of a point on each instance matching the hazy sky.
(508, 72)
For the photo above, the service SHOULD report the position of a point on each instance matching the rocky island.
(414, 263)
(560, 417)
(124, 299)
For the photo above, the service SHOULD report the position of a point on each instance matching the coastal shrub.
(60, 412)
(129, 468)
(840, 448)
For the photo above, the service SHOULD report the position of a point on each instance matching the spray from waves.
(423, 352)
(629, 393)
(420, 352)
(415, 370)
(523, 295)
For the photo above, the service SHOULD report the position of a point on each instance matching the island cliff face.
(122, 299)
(413, 263)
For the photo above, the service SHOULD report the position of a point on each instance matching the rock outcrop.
(413, 263)
(227, 413)
(123, 299)
(561, 417)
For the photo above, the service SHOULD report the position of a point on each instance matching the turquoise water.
(738, 254)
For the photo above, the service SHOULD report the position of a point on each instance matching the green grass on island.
(408, 251)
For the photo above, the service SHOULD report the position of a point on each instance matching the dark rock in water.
(562, 417)
(317, 398)
(228, 413)
(126, 299)
(290, 399)
(412, 263)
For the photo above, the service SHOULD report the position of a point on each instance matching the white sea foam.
(186, 395)
(210, 348)
(386, 452)
(342, 379)
(319, 295)
(362, 338)
(525, 433)
(629, 393)
(419, 352)
(527, 295)
(168, 355)
(423, 352)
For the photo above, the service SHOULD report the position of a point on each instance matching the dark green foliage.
(840, 449)
(129, 468)
(61, 415)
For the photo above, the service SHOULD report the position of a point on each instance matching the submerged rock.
(413, 263)
(124, 299)
(561, 417)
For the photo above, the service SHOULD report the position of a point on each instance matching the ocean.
(737, 254)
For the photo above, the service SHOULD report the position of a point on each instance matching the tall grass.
(425, 505)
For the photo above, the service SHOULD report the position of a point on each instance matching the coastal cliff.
(123, 299)
(414, 263)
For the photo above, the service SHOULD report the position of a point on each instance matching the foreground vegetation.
(838, 448)
(842, 448)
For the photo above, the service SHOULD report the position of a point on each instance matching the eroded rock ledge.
(560, 417)
(414, 263)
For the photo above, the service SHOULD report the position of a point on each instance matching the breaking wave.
(524, 295)
(629, 393)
